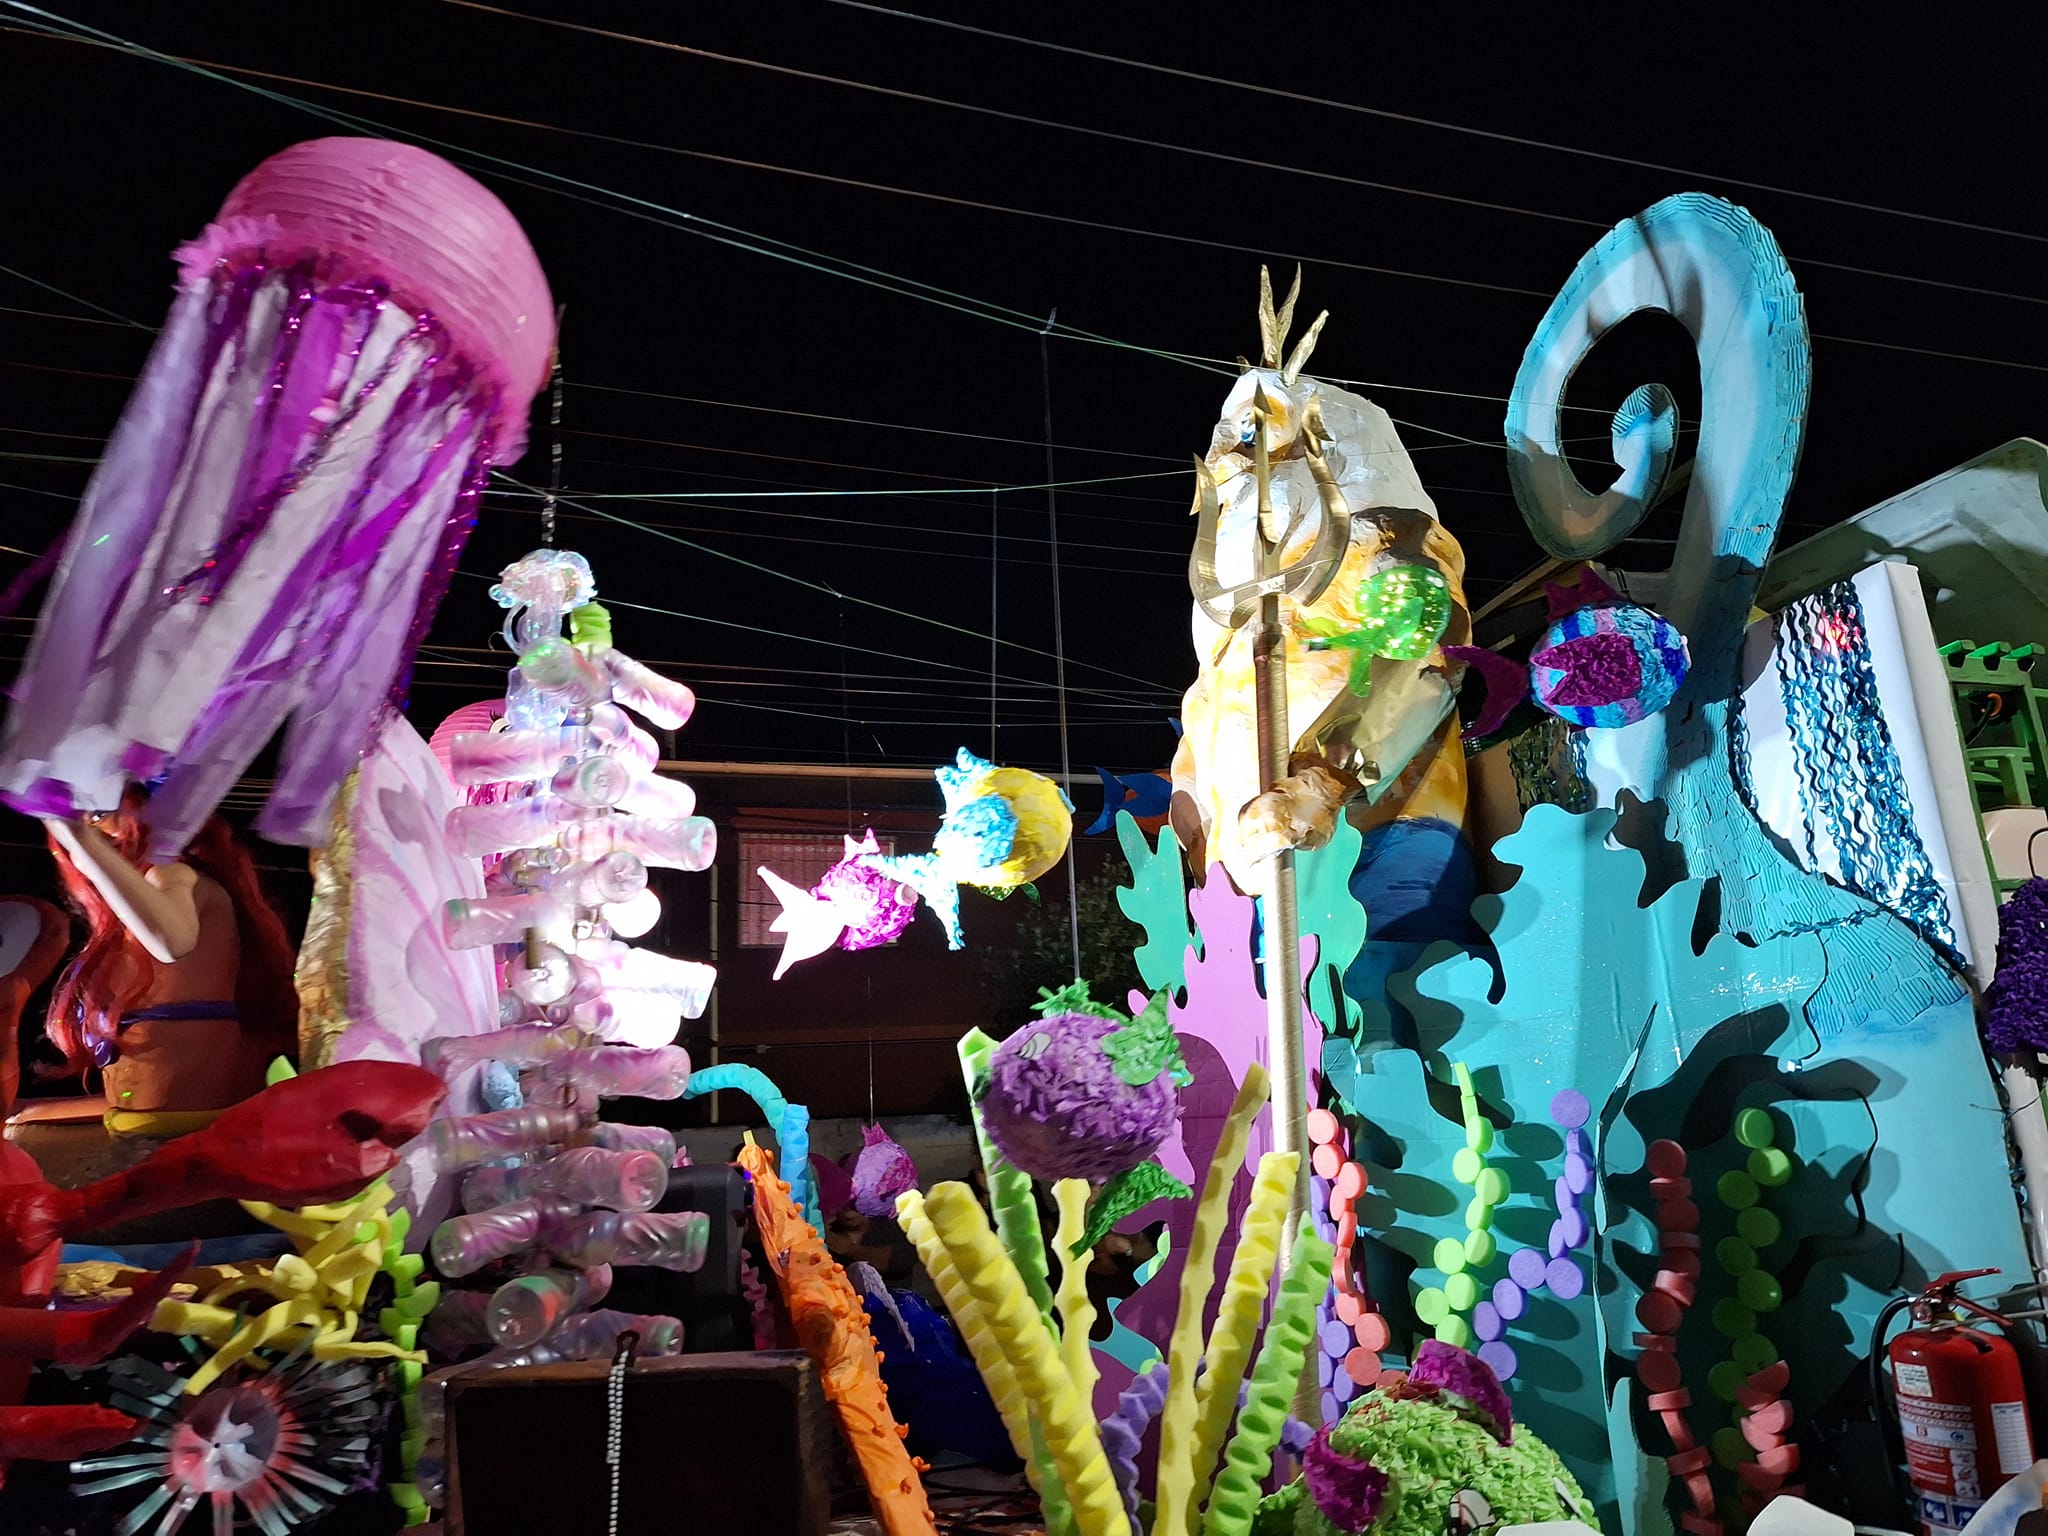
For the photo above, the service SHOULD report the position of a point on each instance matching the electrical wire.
(1415, 120)
(859, 421)
(869, 276)
(593, 195)
(755, 628)
(1264, 167)
(769, 570)
(1059, 628)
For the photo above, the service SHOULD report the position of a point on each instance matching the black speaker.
(709, 1303)
(717, 1445)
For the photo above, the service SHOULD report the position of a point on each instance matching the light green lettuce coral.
(1433, 1453)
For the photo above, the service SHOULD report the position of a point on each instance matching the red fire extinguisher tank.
(1962, 1408)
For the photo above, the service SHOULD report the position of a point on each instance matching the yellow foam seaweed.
(1009, 1188)
(1077, 1313)
(1174, 1487)
(1235, 1497)
(1244, 1306)
(1064, 1419)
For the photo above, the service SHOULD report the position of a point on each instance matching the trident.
(1303, 580)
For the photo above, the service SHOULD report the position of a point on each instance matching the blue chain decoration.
(1548, 763)
(1847, 764)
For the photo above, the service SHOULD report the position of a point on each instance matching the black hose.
(1880, 1400)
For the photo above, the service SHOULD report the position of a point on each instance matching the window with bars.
(800, 858)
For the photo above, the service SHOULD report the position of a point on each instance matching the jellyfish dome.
(355, 342)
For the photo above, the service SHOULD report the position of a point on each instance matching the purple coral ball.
(1056, 1108)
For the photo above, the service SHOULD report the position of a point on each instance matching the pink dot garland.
(1758, 1449)
(1350, 1332)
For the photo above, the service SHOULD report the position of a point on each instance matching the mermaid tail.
(304, 1141)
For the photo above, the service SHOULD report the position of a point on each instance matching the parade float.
(1557, 1059)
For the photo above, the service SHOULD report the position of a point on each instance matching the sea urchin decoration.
(881, 1173)
(1082, 1096)
(275, 1450)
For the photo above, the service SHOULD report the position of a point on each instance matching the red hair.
(112, 975)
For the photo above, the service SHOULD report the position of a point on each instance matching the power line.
(817, 586)
(855, 421)
(1430, 122)
(1264, 167)
(754, 628)
(644, 209)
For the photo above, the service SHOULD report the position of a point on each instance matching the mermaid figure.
(182, 995)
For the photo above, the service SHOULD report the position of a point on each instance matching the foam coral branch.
(1235, 1497)
(1077, 1313)
(832, 1325)
(1173, 1491)
(1009, 1190)
(1065, 1419)
(1244, 1306)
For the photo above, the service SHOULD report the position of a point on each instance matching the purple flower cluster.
(881, 1173)
(1469, 1381)
(1347, 1489)
(2018, 1019)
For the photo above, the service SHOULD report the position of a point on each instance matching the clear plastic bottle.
(628, 968)
(473, 1139)
(615, 1181)
(460, 1321)
(622, 738)
(633, 917)
(622, 1072)
(595, 1335)
(659, 700)
(673, 1240)
(592, 783)
(499, 757)
(559, 670)
(477, 831)
(688, 842)
(462, 1245)
(650, 794)
(517, 1045)
(634, 1138)
(522, 1312)
(547, 976)
(475, 922)
(598, 882)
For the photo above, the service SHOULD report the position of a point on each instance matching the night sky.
(698, 366)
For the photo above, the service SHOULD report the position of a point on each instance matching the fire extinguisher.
(1959, 1400)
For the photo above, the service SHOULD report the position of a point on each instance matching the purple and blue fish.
(1603, 663)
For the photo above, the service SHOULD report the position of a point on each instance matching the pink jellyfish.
(355, 342)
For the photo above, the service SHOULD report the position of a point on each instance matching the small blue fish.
(1145, 795)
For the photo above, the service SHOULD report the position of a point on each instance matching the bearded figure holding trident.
(1325, 590)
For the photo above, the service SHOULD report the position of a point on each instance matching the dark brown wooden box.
(716, 1445)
